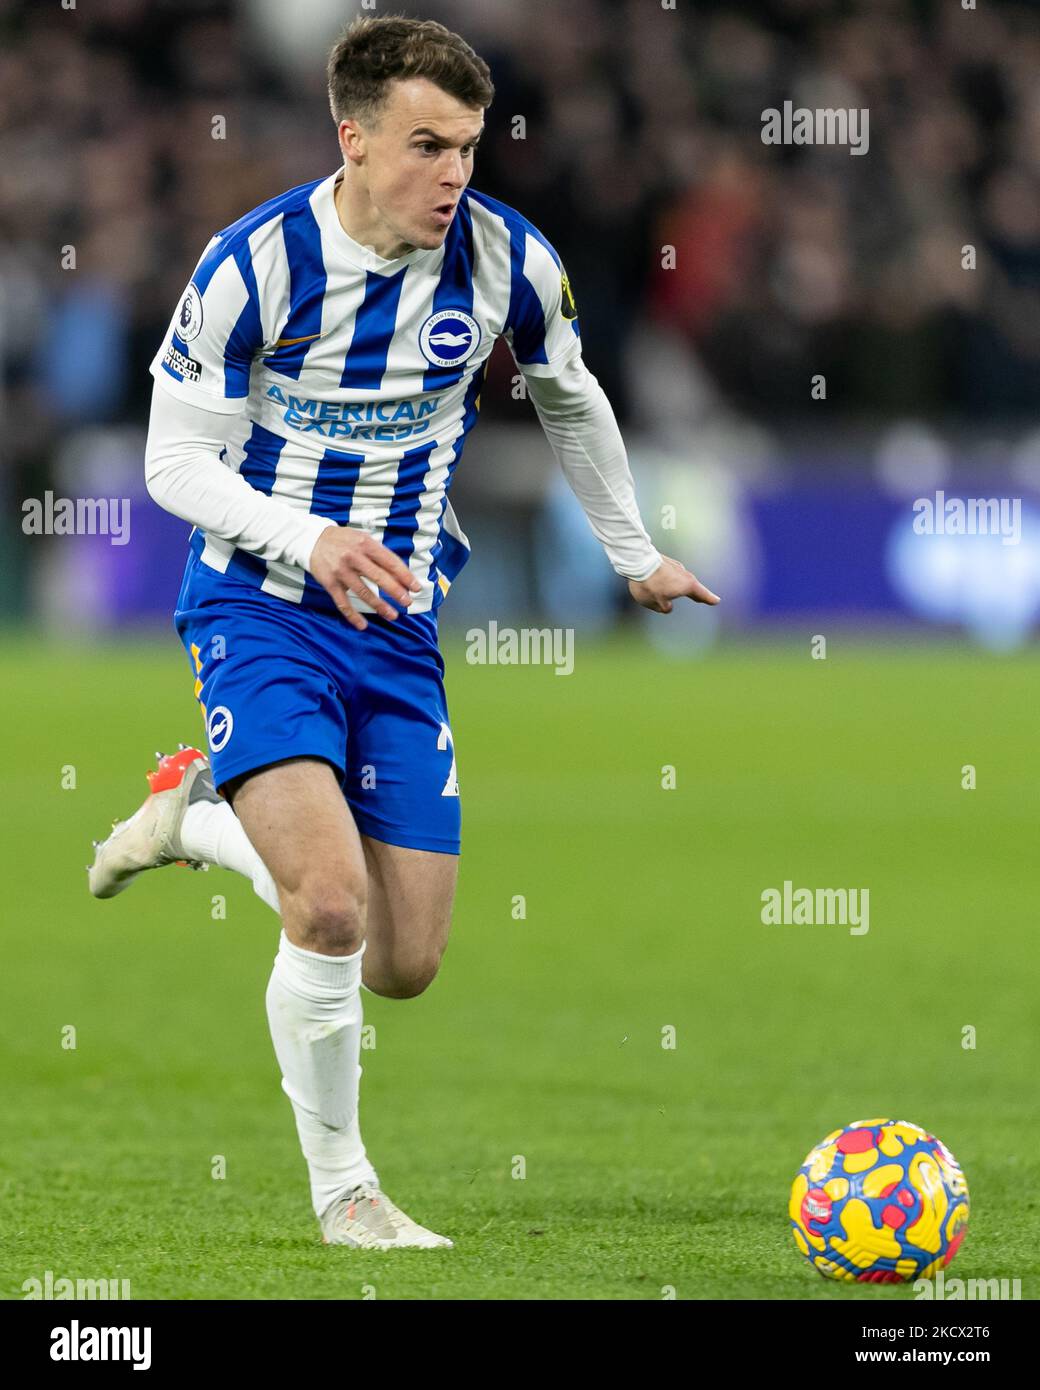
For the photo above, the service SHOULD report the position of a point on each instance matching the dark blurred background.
(642, 132)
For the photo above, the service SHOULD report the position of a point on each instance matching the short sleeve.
(542, 329)
(215, 332)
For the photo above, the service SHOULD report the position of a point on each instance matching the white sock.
(314, 1009)
(211, 831)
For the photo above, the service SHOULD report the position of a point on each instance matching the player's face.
(416, 161)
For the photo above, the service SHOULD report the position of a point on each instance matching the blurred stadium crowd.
(643, 130)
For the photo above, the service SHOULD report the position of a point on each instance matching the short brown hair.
(373, 52)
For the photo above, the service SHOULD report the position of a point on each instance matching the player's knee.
(407, 978)
(329, 918)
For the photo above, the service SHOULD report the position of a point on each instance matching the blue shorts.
(276, 681)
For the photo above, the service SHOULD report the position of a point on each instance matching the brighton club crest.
(448, 337)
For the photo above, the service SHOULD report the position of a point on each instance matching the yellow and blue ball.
(879, 1202)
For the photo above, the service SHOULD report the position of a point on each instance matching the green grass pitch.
(647, 1168)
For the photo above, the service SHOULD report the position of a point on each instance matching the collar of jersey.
(346, 246)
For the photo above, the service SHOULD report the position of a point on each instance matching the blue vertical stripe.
(247, 567)
(307, 281)
(332, 496)
(374, 326)
(333, 492)
(402, 520)
(259, 467)
(403, 517)
(526, 314)
(247, 334)
(446, 549)
(262, 451)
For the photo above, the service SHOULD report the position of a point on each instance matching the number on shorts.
(444, 740)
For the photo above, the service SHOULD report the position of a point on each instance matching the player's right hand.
(343, 558)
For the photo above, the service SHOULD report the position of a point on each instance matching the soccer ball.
(879, 1202)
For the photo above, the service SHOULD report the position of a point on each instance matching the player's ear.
(351, 140)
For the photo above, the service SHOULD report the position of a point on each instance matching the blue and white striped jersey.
(354, 380)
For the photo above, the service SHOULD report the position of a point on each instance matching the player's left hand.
(670, 580)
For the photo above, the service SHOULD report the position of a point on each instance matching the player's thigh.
(277, 735)
(411, 893)
(300, 825)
